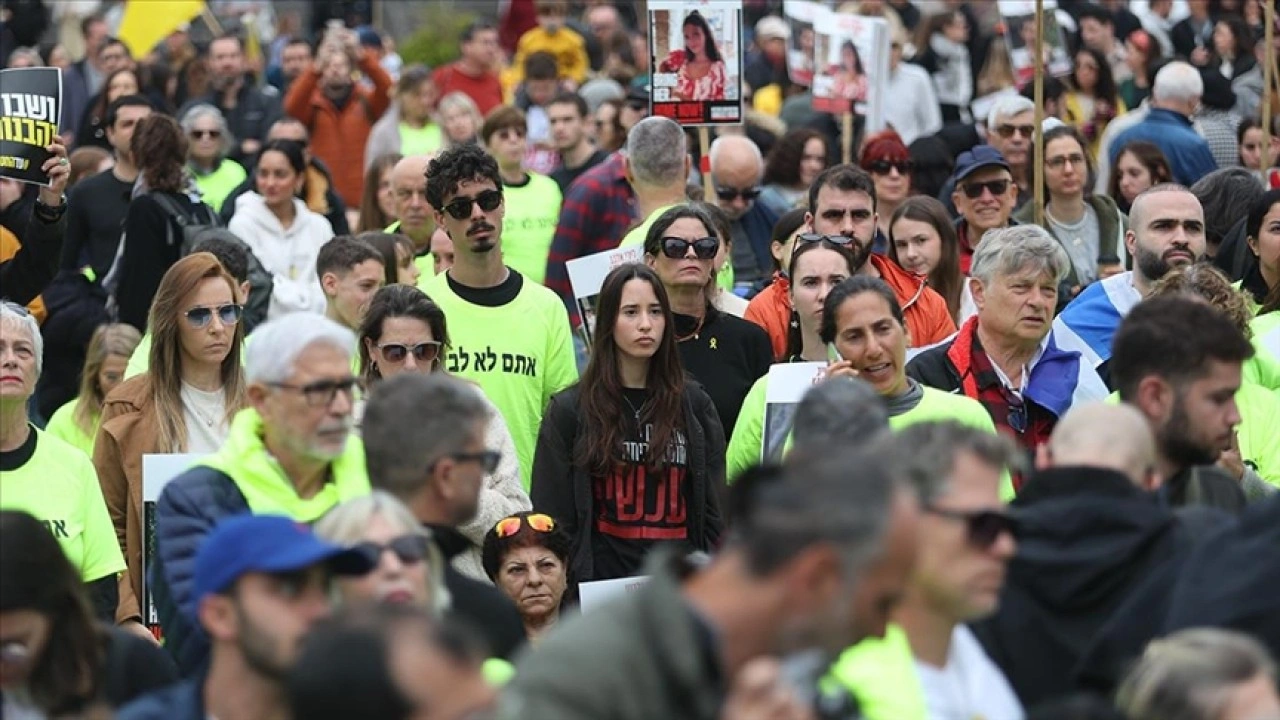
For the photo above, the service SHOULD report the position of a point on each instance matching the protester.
(737, 169)
(644, 470)
(568, 116)
(510, 335)
(91, 128)
(531, 201)
(282, 231)
(378, 205)
(396, 251)
(46, 477)
(59, 661)
(771, 307)
(473, 73)
(1174, 97)
(249, 109)
(1095, 99)
(922, 117)
(414, 214)
(299, 395)
(922, 241)
(460, 118)
(425, 440)
(1010, 128)
(209, 143)
(259, 583)
(886, 158)
(929, 664)
(657, 168)
(350, 272)
(1203, 672)
(984, 197)
(791, 167)
(527, 556)
(1263, 237)
(409, 126)
(76, 422)
(1139, 166)
(838, 412)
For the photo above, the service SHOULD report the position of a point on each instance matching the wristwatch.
(51, 213)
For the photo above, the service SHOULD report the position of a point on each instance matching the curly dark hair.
(160, 150)
(1105, 87)
(455, 166)
(783, 165)
(495, 549)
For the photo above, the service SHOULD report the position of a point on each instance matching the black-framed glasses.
(704, 248)
(409, 549)
(1060, 161)
(423, 352)
(729, 194)
(973, 190)
(321, 393)
(982, 527)
(488, 459)
(200, 316)
(202, 134)
(460, 208)
(882, 167)
(1006, 131)
(842, 240)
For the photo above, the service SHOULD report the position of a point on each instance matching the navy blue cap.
(981, 156)
(243, 544)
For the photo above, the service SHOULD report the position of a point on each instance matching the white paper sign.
(157, 471)
(592, 595)
(586, 277)
(787, 384)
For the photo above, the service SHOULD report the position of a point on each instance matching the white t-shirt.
(970, 687)
(206, 416)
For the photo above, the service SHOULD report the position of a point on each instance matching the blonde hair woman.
(183, 404)
(104, 367)
(1201, 674)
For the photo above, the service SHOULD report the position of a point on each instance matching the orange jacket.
(928, 319)
(9, 247)
(338, 136)
(771, 310)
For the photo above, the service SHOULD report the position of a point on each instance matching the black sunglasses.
(882, 167)
(1007, 131)
(983, 527)
(973, 191)
(201, 134)
(842, 240)
(409, 550)
(228, 315)
(728, 194)
(322, 393)
(460, 208)
(703, 248)
(425, 352)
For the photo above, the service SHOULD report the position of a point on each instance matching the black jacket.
(1088, 538)
(562, 487)
(480, 606)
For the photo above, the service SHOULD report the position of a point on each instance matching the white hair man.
(1011, 121)
(289, 452)
(1175, 95)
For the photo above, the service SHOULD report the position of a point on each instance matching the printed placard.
(157, 471)
(800, 14)
(586, 277)
(592, 595)
(851, 66)
(787, 384)
(30, 106)
(1019, 17)
(696, 55)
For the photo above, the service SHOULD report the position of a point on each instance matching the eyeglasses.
(882, 167)
(460, 208)
(729, 194)
(409, 550)
(509, 526)
(841, 240)
(983, 527)
(322, 393)
(228, 315)
(973, 191)
(425, 352)
(703, 248)
(202, 134)
(1007, 131)
(488, 459)
(1060, 161)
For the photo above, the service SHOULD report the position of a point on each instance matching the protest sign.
(157, 471)
(800, 15)
(1019, 18)
(851, 66)
(787, 384)
(30, 106)
(586, 277)
(696, 55)
(592, 595)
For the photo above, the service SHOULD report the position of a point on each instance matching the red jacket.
(338, 136)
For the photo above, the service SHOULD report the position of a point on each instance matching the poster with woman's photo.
(788, 382)
(696, 50)
(1019, 18)
(800, 15)
(851, 66)
(586, 277)
(157, 471)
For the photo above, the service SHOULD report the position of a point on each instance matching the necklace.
(697, 329)
(634, 410)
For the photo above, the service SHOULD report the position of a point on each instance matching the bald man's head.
(1102, 435)
(737, 167)
(409, 187)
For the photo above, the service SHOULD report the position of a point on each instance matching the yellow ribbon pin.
(713, 343)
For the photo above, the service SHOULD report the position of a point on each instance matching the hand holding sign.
(58, 168)
(30, 105)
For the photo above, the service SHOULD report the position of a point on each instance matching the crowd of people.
(1036, 473)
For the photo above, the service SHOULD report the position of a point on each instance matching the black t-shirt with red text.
(636, 506)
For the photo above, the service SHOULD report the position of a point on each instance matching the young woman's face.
(210, 344)
(816, 273)
(126, 83)
(1135, 178)
(111, 373)
(1251, 149)
(813, 161)
(386, 194)
(918, 244)
(1086, 72)
(1224, 41)
(638, 330)
(1267, 245)
(278, 182)
(459, 125)
(695, 40)
(1065, 167)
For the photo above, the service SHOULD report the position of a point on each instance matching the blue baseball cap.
(977, 158)
(243, 544)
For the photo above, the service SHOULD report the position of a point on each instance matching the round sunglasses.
(460, 208)
(423, 352)
(703, 248)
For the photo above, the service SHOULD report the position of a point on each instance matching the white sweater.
(289, 255)
(919, 116)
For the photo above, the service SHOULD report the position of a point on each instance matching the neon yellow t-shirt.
(420, 141)
(140, 360)
(724, 278)
(59, 486)
(1264, 367)
(217, 185)
(529, 225)
(520, 354)
(937, 405)
(881, 673)
(63, 426)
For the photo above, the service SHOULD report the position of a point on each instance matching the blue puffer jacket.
(183, 701)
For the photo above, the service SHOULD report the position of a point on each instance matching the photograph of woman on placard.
(851, 79)
(800, 54)
(699, 67)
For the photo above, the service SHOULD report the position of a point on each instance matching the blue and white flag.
(1089, 323)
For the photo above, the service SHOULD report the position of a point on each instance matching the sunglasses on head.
(982, 527)
(408, 549)
(703, 248)
(425, 352)
(509, 526)
(729, 194)
(1006, 131)
(460, 208)
(973, 191)
(882, 167)
(202, 134)
(228, 315)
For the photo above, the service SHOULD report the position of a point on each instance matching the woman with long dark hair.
(93, 123)
(633, 454)
(1233, 43)
(922, 240)
(57, 660)
(1139, 166)
(377, 203)
(397, 256)
(1094, 100)
(793, 164)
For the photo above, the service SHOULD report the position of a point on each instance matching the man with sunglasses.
(985, 197)
(260, 582)
(929, 664)
(509, 335)
(1010, 125)
(289, 452)
(737, 168)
